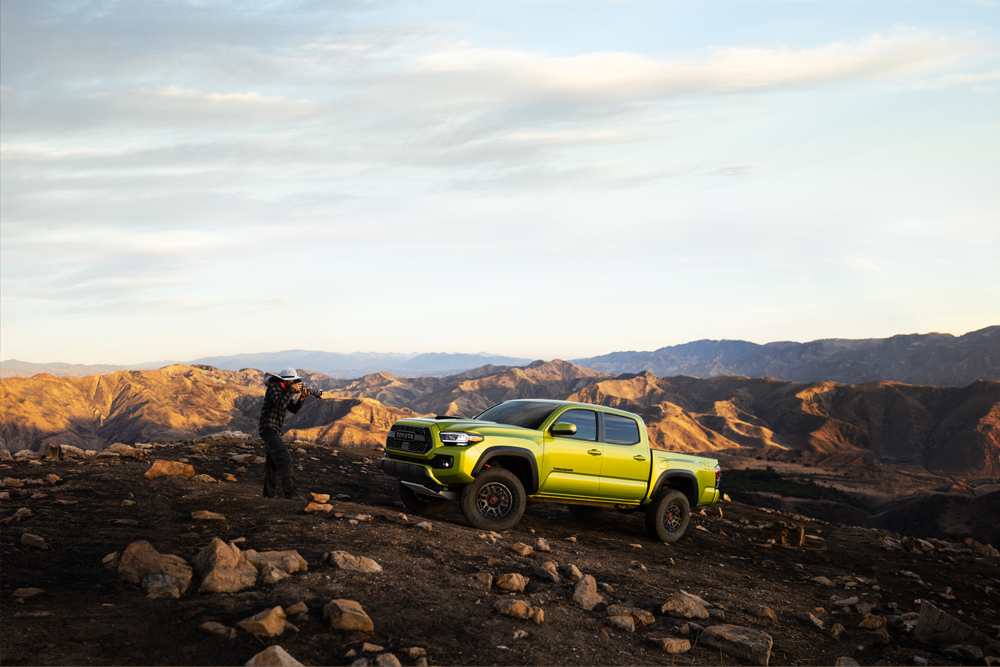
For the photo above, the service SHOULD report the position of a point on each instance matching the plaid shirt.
(276, 401)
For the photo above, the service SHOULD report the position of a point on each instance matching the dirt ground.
(423, 598)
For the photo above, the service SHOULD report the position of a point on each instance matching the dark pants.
(278, 463)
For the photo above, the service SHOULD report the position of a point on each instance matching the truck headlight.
(460, 439)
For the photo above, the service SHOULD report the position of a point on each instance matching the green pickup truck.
(589, 457)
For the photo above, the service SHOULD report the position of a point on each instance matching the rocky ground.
(437, 598)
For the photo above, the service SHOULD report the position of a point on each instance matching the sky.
(543, 179)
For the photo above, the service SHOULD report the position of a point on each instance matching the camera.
(312, 391)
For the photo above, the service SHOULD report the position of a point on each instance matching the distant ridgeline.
(953, 430)
(928, 359)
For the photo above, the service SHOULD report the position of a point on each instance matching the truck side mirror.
(563, 428)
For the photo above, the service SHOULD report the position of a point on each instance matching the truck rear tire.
(421, 505)
(667, 517)
(495, 500)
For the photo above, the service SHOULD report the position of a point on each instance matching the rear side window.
(620, 430)
(586, 423)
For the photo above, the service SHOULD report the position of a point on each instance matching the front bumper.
(410, 472)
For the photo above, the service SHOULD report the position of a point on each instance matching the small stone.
(34, 541)
(317, 507)
(346, 561)
(640, 617)
(371, 648)
(128, 503)
(520, 634)
(542, 545)
(27, 592)
(522, 549)
(161, 586)
(622, 623)
(845, 603)
(572, 572)
(296, 609)
(837, 630)
(424, 525)
(229, 477)
(585, 593)
(205, 515)
(846, 662)
(808, 618)
(481, 580)
(320, 498)
(162, 468)
(53, 479)
(347, 615)
(273, 656)
(268, 623)
(672, 645)
(271, 575)
(204, 479)
(218, 629)
(823, 581)
(872, 622)
(571, 539)
(287, 561)
(747, 644)
(388, 660)
(761, 611)
(512, 582)
(417, 652)
(520, 609)
(684, 606)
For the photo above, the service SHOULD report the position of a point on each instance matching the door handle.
(639, 457)
(594, 452)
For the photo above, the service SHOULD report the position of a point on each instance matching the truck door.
(571, 464)
(626, 462)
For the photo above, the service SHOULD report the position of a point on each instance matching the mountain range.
(926, 359)
(950, 430)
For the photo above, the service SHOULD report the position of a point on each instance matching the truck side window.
(620, 430)
(586, 423)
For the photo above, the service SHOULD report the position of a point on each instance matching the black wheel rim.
(673, 517)
(494, 500)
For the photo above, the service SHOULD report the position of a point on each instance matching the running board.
(424, 491)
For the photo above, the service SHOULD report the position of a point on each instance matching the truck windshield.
(525, 414)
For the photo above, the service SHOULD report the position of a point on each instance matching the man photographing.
(285, 391)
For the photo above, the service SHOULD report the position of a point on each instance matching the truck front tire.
(421, 505)
(494, 501)
(667, 517)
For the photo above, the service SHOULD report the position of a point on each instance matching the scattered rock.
(585, 593)
(111, 560)
(371, 648)
(53, 479)
(161, 468)
(287, 561)
(785, 533)
(520, 609)
(161, 586)
(522, 549)
(388, 660)
(346, 561)
(140, 559)
(268, 623)
(823, 581)
(296, 609)
(512, 582)
(872, 622)
(21, 513)
(205, 479)
(572, 572)
(26, 593)
(347, 615)
(34, 541)
(270, 575)
(214, 628)
(684, 606)
(317, 507)
(571, 539)
(640, 617)
(672, 644)
(845, 602)
(542, 545)
(761, 611)
(808, 618)
(424, 525)
(625, 623)
(223, 569)
(846, 662)
(205, 515)
(320, 498)
(273, 656)
(548, 572)
(752, 646)
(481, 580)
(837, 630)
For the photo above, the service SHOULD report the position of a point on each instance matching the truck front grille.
(403, 438)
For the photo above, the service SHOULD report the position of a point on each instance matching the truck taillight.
(718, 475)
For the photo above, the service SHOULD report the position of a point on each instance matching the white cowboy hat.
(285, 375)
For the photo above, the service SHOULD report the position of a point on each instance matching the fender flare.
(667, 475)
(501, 450)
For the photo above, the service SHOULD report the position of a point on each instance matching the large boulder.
(938, 628)
(223, 569)
(684, 606)
(268, 623)
(140, 559)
